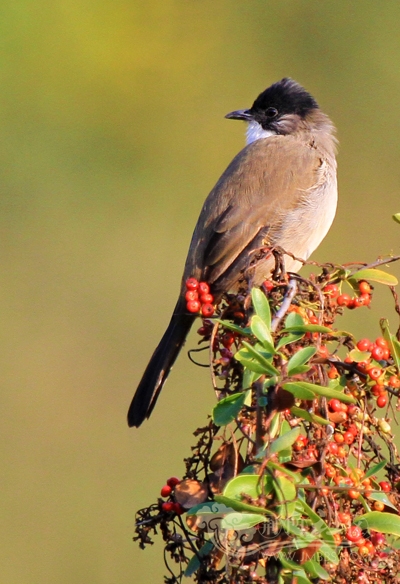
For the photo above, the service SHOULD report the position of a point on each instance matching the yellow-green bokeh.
(112, 132)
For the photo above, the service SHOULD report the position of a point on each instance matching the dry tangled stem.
(282, 472)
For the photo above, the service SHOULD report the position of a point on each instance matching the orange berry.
(379, 506)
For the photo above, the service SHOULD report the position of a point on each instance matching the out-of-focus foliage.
(111, 135)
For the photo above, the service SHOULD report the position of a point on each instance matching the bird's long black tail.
(160, 365)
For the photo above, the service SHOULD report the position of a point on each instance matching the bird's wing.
(258, 189)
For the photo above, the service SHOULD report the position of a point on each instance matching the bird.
(280, 191)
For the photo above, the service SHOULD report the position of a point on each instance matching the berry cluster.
(167, 490)
(198, 297)
(362, 299)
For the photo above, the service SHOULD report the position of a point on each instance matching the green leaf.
(249, 363)
(396, 217)
(318, 523)
(284, 441)
(379, 521)
(308, 416)
(238, 506)
(293, 319)
(269, 368)
(261, 306)
(233, 327)
(262, 332)
(308, 328)
(290, 338)
(250, 484)
(287, 495)
(391, 341)
(300, 369)
(300, 358)
(300, 388)
(239, 521)
(316, 570)
(359, 356)
(228, 408)
(375, 469)
(374, 275)
(383, 498)
(194, 563)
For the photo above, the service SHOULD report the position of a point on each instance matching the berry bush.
(296, 476)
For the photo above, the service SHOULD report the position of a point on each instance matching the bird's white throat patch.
(256, 132)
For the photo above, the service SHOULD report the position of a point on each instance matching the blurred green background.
(112, 132)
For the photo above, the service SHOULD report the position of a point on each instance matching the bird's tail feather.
(160, 365)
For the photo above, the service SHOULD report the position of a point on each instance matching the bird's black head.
(279, 108)
(282, 98)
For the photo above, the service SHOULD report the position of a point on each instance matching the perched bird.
(279, 191)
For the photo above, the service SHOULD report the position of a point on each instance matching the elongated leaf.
(307, 328)
(233, 327)
(316, 570)
(261, 306)
(298, 390)
(238, 506)
(286, 494)
(396, 217)
(309, 417)
(300, 358)
(249, 363)
(375, 469)
(194, 563)
(374, 275)
(269, 368)
(359, 356)
(293, 319)
(318, 523)
(228, 408)
(262, 332)
(290, 338)
(250, 484)
(300, 369)
(284, 441)
(389, 338)
(379, 521)
(382, 498)
(299, 386)
(239, 521)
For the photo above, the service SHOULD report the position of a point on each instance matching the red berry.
(366, 298)
(353, 429)
(331, 290)
(380, 341)
(343, 300)
(338, 438)
(377, 353)
(385, 486)
(228, 339)
(204, 288)
(359, 301)
(191, 295)
(166, 491)
(178, 509)
(173, 481)
(382, 401)
(386, 354)
(193, 306)
(364, 287)
(268, 285)
(207, 310)
(374, 373)
(348, 438)
(354, 533)
(377, 538)
(206, 298)
(363, 344)
(333, 448)
(344, 517)
(394, 381)
(192, 284)
(168, 507)
(335, 405)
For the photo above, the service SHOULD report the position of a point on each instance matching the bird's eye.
(271, 112)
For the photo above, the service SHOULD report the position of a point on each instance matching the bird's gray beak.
(240, 115)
